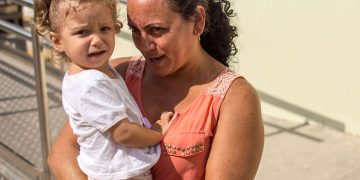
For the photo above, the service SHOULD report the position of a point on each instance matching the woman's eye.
(134, 30)
(157, 31)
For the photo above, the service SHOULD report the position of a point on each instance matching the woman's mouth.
(155, 60)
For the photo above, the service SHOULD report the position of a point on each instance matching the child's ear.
(56, 42)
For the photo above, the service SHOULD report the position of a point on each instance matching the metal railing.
(41, 93)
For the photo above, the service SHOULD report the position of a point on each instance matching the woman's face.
(164, 38)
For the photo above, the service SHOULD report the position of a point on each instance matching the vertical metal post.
(42, 101)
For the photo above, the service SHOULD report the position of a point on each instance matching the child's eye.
(82, 33)
(105, 28)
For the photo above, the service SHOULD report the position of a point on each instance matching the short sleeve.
(101, 106)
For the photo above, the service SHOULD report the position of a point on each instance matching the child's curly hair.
(49, 13)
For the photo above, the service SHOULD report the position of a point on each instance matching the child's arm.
(134, 135)
(100, 106)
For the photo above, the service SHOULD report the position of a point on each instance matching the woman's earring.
(199, 37)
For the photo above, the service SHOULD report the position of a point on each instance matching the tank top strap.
(136, 66)
(222, 83)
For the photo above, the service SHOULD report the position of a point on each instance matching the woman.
(186, 46)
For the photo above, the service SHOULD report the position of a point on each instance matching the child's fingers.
(173, 118)
(175, 115)
(166, 116)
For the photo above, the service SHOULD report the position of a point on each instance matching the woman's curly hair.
(49, 13)
(218, 36)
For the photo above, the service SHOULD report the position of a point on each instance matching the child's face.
(87, 36)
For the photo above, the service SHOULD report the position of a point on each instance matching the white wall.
(124, 45)
(305, 52)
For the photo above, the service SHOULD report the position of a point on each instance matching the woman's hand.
(164, 123)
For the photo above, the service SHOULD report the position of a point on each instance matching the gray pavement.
(19, 124)
(293, 150)
(308, 151)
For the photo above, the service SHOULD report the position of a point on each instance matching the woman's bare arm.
(237, 146)
(62, 159)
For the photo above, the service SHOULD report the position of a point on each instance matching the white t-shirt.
(94, 103)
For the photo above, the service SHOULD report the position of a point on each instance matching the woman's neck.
(199, 70)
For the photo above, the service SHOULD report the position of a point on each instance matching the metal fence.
(11, 156)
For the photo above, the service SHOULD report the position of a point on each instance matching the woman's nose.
(146, 43)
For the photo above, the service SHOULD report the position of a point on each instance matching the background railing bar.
(27, 3)
(15, 29)
(25, 168)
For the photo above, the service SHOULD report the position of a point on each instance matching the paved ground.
(303, 151)
(293, 150)
(19, 125)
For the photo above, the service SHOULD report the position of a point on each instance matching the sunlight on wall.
(304, 52)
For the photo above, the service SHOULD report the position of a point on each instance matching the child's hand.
(163, 125)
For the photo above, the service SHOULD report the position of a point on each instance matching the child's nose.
(96, 40)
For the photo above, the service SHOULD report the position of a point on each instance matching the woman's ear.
(56, 42)
(199, 20)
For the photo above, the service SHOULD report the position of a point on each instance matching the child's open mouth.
(96, 54)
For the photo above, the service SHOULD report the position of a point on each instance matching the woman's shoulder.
(224, 81)
(241, 94)
(122, 64)
(242, 90)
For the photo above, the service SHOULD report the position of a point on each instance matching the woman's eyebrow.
(147, 26)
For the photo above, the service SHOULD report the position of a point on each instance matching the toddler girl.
(114, 144)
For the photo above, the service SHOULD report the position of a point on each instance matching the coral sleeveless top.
(186, 147)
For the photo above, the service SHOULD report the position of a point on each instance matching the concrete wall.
(300, 55)
(124, 45)
(306, 53)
